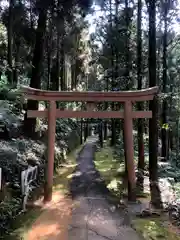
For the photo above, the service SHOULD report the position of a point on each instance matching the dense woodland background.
(46, 44)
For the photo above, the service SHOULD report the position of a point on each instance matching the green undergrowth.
(111, 168)
(24, 222)
(64, 174)
(177, 189)
(153, 229)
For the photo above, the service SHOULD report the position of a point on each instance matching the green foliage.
(67, 140)
(165, 126)
(110, 167)
(68, 131)
(7, 92)
(3, 81)
(152, 229)
(10, 97)
(8, 211)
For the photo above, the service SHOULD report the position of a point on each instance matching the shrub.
(8, 211)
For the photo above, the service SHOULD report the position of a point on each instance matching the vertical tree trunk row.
(10, 43)
(153, 128)
(165, 104)
(140, 179)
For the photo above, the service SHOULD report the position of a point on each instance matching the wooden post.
(128, 131)
(51, 146)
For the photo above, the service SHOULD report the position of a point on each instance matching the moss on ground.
(153, 229)
(64, 174)
(24, 222)
(111, 168)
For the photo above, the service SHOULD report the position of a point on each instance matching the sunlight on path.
(89, 215)
(53, 222)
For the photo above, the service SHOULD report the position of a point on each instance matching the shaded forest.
(47, 44)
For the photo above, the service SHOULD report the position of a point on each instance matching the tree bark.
(140, 178)
(165, 104)
(127, 76)
(106, 107)
(113, 130)
(153, 128)
(127, 53)
(100, 133)
(57, 75)
(62, 57)
(86, 126)
(81, 131)
(17, 59)
(10, 42)
(49, 51)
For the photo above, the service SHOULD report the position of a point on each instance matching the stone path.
(93, 218)
(88, 215)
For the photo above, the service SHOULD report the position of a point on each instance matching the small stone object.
(113, 208)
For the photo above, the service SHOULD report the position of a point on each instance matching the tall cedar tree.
(140, 179)
(153, 127)
(165, 104)
(10, 42)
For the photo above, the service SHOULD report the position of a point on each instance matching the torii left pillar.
(50, 151)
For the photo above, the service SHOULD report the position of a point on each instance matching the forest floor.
(61, 204)
(86, 204)
(150, 227)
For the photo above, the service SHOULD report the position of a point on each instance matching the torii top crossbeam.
(139, 95)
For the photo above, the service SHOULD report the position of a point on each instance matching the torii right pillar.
(129, 150)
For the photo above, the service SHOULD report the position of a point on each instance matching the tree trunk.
(165, 105)
(113, 127)
(105, 129)
(127, 76)
(62, 57)
(57, 75)
(106, 108)
(15, 76)
(62, 62)
(140, 178)
(127, 53)
(86, 126)
(10, 42)
(73, 86)
(100, 134)
(49, 69)
(30, 124)
(81, 131)
(57, 84)
(153, 128)
(116, 73)
(49, 52)
(55, 72)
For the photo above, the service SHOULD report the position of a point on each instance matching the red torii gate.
(126, 97)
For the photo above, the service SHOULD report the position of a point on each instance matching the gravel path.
(93, 218)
